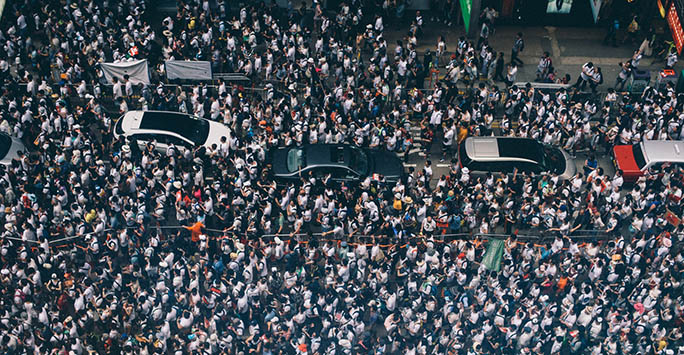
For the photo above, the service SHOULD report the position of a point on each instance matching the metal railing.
(586, 235)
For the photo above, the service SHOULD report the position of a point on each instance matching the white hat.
(125, 148)
(177, 184)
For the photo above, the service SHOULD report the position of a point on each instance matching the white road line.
(407, 165)
(442, 165)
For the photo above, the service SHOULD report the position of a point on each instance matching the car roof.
(327, 154)
(503, 149)
(663, 151)
(169, 121)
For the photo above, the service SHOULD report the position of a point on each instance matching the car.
(504, 154)
(635, 159)
(10, 148)
(183, 130)
(344, 163)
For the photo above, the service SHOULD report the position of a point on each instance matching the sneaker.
(441, 160)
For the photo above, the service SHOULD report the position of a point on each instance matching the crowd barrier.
(536, 239)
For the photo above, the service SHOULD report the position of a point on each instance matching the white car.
(505, 154)
(9, 149)
(165, 127)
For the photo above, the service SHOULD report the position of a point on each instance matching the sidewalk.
(570, 48)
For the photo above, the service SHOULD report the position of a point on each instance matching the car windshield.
(639, 156)
(358, 161)
(554, 160)
(295, 159)
(5, 144)
(190, 127)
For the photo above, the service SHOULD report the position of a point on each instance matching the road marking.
(555, 48)
(442, 165)
(497, 124)
(407, 165)
(415, 150)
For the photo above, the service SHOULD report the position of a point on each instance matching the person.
(671, 59)
(590, 164)
(518, 46)
(586, 75)
(632, 31)
(449, 135)
(611, 36)
(636, 59)
(484, 34)
(623, 75)
(596, 80)
(511, 74)
(544, 66)
(441, 49)
(500, 62)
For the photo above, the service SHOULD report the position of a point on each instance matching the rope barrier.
(436, 238)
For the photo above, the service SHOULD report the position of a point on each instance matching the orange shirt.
(562, 283)
(462, 134)
(195, 231)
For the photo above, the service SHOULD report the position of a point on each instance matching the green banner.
(465, 10)
(494, 254)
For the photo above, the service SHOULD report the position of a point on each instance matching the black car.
(343, 162)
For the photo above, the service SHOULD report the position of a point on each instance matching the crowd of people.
(112, 247)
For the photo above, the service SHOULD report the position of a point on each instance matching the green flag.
(465, 10)
(492, 258)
